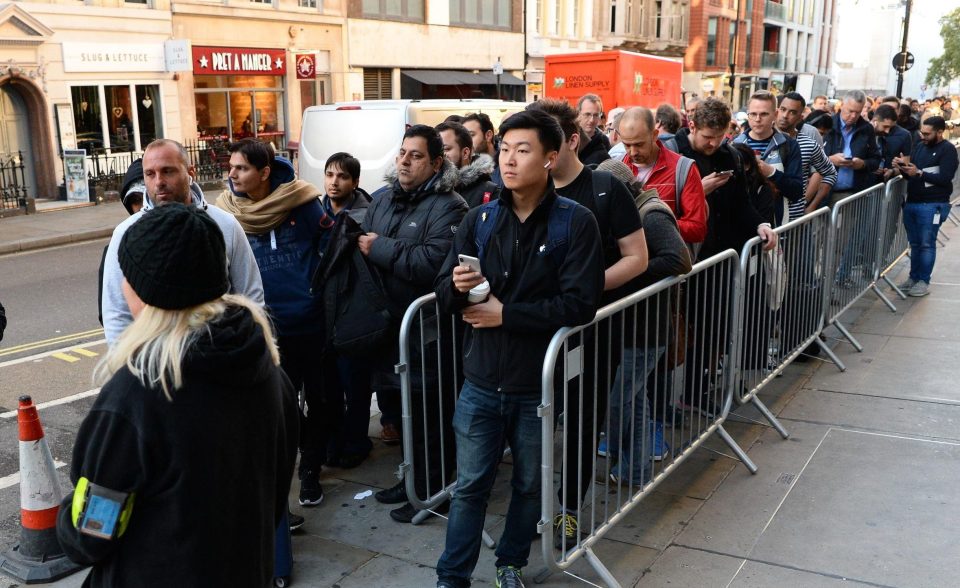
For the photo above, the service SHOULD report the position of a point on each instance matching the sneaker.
(311, 493)
(295, 521)
(509, 577)
(565, 530)
(602, 447)
(659, 447)
(906, 285)
(919, 289)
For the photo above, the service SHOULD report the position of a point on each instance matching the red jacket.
(693, 223)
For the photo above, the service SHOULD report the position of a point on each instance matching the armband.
(100, 512)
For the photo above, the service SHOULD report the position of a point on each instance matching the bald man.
(655, 166)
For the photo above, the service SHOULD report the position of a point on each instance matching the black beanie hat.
(174, 257)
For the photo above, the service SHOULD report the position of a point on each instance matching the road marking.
(47, 342)
(57, 402)
(66, 357)
(14, 478)
(84, 352)
(51, 352)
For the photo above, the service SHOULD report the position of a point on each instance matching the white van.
(372, 130)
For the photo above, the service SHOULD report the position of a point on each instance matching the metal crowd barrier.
(779, 308)
(430, 380)
(895, 244)
(852, 255)
(663, 357)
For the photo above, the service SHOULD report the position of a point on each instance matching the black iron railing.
(13, 183)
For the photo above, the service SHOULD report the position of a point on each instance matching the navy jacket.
(896, 142)
(863, 145)
(933, 186)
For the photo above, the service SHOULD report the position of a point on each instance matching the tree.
(946, 68)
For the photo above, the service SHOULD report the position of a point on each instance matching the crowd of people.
(223, 317)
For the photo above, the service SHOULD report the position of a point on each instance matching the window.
(144, 2)
(377, 84)
(733, 42)
(659, 18)
(712, 41)
(539, 15)
(748, 24)
(556, 18)
(628, 17)
(613, 16)
(238, 106)
(307, 3)
(394, 9)
(575, 21)
(261, 2)
(483, 13)
(116, 117)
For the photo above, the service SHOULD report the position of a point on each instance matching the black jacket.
(933, 186)
(863, 144)
(210, 470)
(3, 321)
(596, 150)
(415, 230)
(538, 297)
(733, 220)
(474, 181)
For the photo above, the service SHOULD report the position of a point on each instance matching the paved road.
(51, 346)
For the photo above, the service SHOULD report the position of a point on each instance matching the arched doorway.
(22, 95)
(15, 143)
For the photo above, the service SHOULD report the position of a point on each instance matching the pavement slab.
(877, 508)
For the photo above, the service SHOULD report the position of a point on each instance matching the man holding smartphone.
(929, 174)
(852, 148)
(533, 292)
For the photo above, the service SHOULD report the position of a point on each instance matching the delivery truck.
(620, 78)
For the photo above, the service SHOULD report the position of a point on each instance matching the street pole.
(499, 71)
(903, 48)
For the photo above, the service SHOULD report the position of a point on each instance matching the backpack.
(680, 180)
(558, 228)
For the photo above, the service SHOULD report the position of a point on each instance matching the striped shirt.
(813, 159)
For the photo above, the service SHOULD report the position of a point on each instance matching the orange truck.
(620, 78)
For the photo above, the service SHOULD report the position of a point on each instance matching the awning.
(449, 77)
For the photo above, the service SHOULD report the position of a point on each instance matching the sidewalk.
(864, 492)
(49, 229)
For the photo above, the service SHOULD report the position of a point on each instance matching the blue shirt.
(845, 174)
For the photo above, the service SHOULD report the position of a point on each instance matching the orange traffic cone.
(38, 558)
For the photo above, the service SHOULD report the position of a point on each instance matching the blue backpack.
(558, 228)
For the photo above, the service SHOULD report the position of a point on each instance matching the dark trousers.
(354, 380)
(321, 415)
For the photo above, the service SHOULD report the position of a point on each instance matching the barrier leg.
(843, 331)
(894, 287)
(885, 300)
(833, 356)
(740, 453)
(769, 416)
(953, 218)
(601, 569)
(944, 234)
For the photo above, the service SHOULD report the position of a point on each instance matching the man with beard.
(474, 184)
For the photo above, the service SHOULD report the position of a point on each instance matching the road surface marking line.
(65, 357)
(14, 478)
(46, 342)
(49, 353)
(84, 352)
(57, 402)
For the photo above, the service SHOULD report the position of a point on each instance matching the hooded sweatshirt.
(209, 471)
(284, 231)
(241, 265)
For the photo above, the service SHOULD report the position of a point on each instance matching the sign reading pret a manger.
(238, 60)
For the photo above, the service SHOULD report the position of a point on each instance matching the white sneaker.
(919, 289)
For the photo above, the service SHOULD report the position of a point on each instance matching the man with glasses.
(596, 146)
(777, 154)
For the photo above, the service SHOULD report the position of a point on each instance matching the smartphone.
(848, 157)
(470, 261)
(726, 172)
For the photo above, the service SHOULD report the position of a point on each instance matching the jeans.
(483, 420)
(629, 435)
(918, 219)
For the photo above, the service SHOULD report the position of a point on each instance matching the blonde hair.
(154, 345)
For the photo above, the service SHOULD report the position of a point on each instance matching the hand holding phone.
(726, 172)
(471, 262)
(467, 274)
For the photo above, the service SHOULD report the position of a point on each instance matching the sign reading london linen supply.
(111, 57)
(236, 60)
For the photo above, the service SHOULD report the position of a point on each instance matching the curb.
(45, 242)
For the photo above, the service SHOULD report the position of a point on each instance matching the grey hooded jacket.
(241, 266)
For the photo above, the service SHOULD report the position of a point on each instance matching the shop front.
(239, 93)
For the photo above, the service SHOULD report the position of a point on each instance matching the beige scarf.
(262, 217)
